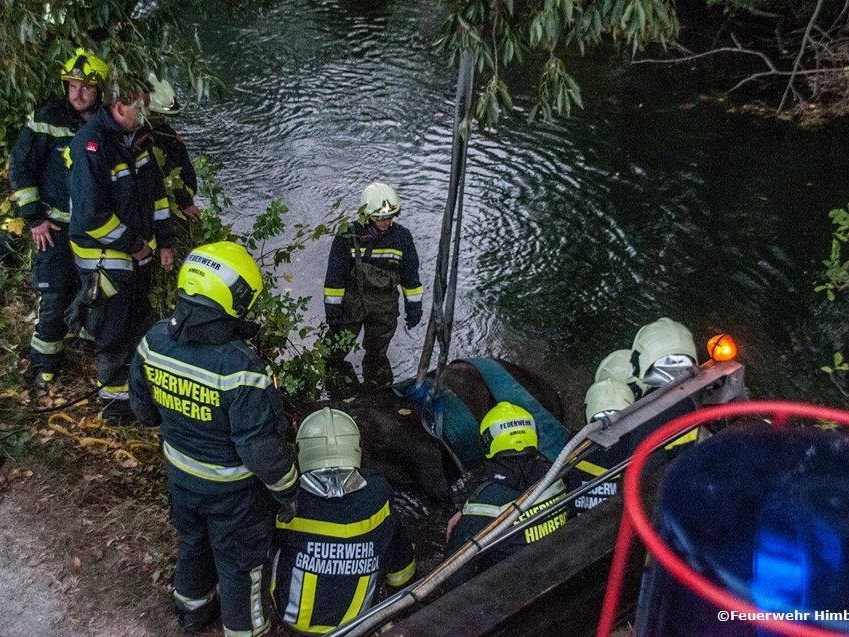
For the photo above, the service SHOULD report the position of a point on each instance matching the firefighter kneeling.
(222, 423)
(509, 439)
(333, 556)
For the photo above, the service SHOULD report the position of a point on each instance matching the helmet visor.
(667, 369)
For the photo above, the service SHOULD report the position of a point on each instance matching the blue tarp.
(448, 418)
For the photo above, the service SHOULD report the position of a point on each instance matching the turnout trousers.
(55, 280)
(109, 321)
(224, 541)
(375, 314)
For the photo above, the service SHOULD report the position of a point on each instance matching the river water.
(648, 203)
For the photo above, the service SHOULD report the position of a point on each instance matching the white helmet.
(606, 397)
(379, 201)
(663, 350)
(162, 98)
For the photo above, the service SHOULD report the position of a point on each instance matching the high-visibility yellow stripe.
(356, 605)
(388, 251)
(334, 291)
(96, 253)
(160, 203)
(592, 469)
(206, 377)
(25, 196)
(118, 168)
(334, 529)
(399, 578)
(205, 470)
(414, 291)
(307, 603)
(106, 228)
(687, 438)
(47, 129)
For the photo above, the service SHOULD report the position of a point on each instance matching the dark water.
(645, 204)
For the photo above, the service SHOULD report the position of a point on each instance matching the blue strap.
(503, 387)
(446, 417)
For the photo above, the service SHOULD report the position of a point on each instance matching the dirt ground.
(86, 548)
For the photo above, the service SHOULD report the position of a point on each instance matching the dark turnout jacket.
(38, 166)
(220, 414)
(333, 557)
(118, 194)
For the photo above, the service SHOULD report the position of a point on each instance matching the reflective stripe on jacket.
(221, 416)
(38, 163)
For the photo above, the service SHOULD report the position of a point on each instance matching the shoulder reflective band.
(493, 510)
(142, 159)
(335, 529)
(223, 382)
(204, 470)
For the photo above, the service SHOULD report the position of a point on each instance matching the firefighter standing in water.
(365, 269)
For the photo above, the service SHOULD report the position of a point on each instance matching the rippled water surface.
(645, 204)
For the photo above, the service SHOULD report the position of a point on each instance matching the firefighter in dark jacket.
(38, 170)
(164, 104)
(364, 270)
(509, 439)
(121, 221)
(221, 421)
(346, 539)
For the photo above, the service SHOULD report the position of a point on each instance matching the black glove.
(333, 314)
(287, 506)
(413, 315)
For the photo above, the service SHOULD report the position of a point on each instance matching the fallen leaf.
(404, 412)
(77, 561)
(15, 225)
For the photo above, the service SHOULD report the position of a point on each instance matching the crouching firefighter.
(38, 169)
(222, 422)
(364, 270)
(509, 440)
(333, 557)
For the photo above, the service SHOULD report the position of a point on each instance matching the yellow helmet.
(85, 67)
(508, 427)
(221, 275)
(379, 201)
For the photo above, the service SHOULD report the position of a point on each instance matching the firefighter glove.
(287, 506)
(413, 315)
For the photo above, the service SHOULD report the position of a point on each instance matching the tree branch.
(801, 53)
(696, 56)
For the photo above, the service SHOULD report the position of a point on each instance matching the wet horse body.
(395, 442)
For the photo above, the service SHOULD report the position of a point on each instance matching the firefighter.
(222, 430)
(163, 103)
(513, 465)
(332, 558)
(364, 270)
(39, 174)
(121, 221)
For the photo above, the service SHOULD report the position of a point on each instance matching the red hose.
(635, 518)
